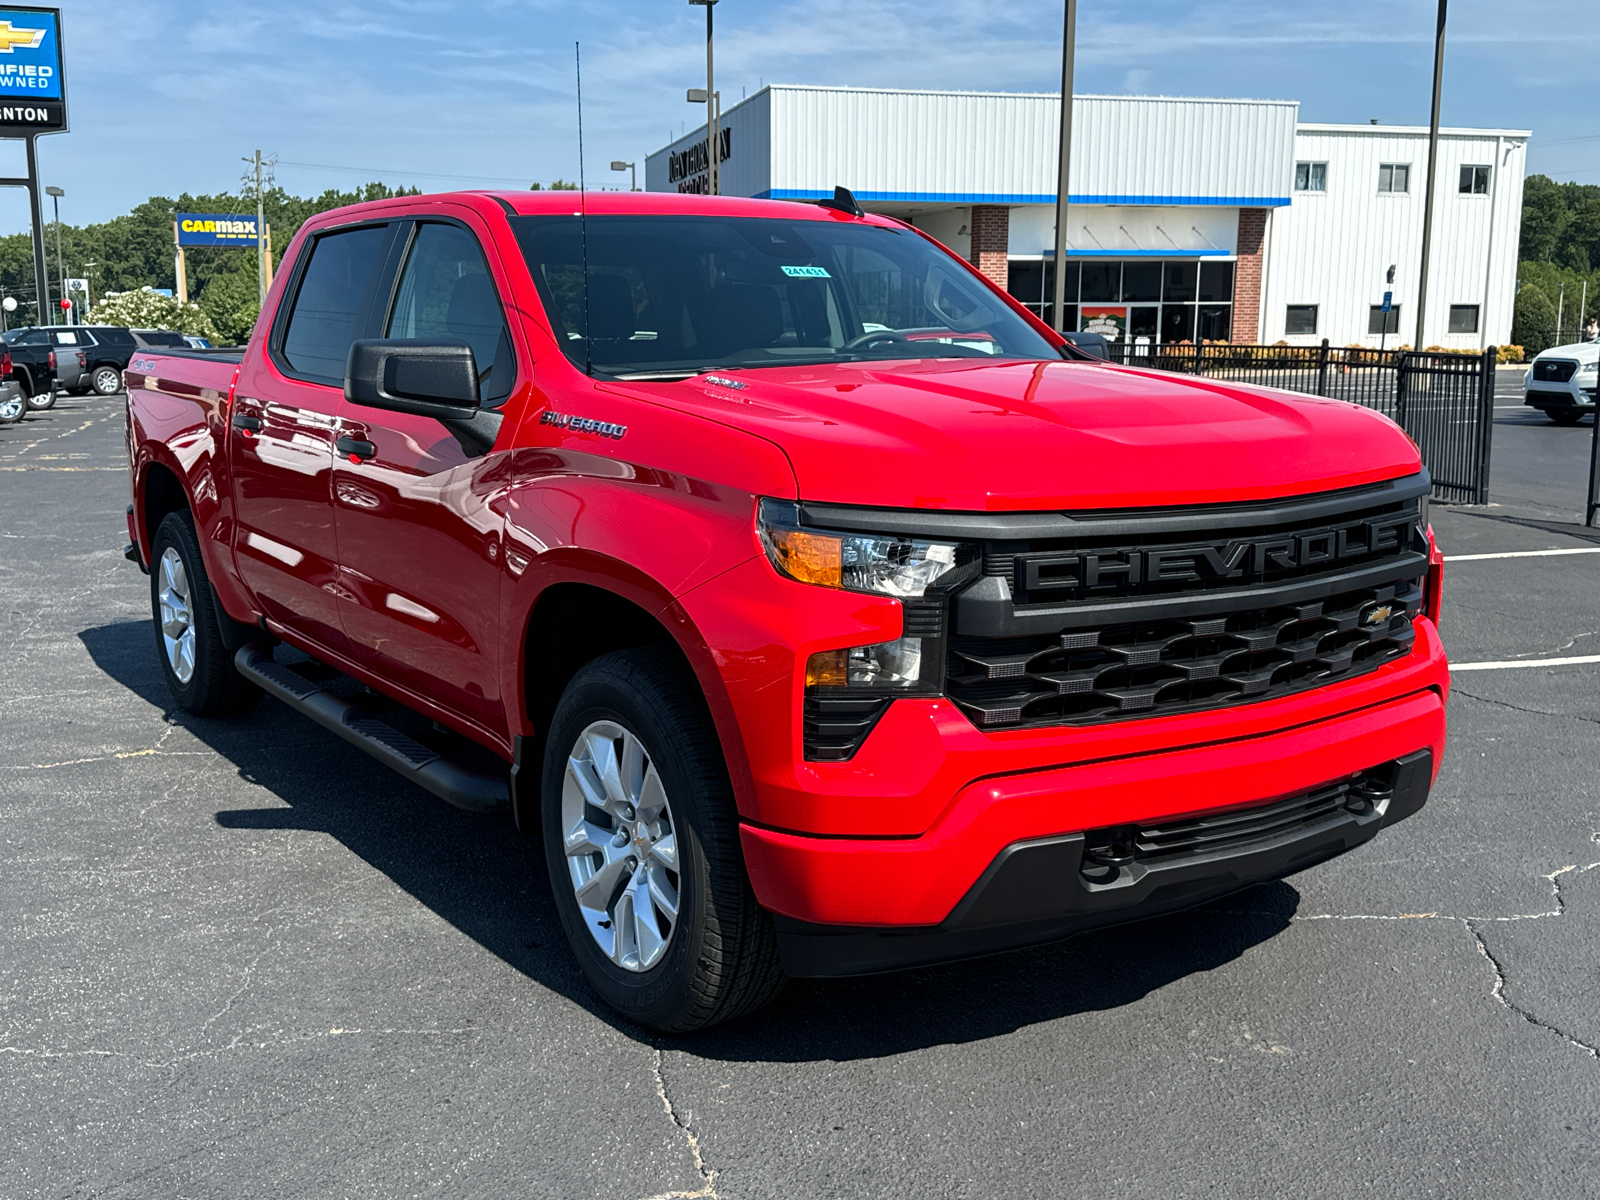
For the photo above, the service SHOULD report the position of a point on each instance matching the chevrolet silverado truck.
(817, 608)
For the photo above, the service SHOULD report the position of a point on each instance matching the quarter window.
(447, 292)
(1394, 177)
(1311, 177)
(330, 302)
(1474, 181)
(1463, 318)
(1300, 318)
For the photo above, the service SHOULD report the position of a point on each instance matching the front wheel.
(198, 668)
(1564, 416)
(106, 381)
(641, 841)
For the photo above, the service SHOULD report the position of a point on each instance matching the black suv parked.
(106, 350)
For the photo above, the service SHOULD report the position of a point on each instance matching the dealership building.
(1228, 220)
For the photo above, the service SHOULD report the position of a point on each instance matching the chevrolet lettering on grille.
(1242, 559)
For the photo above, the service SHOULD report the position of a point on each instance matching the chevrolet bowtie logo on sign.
(32, 91)
(12, 37)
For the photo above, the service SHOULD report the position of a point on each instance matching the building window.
(1474, 181)
(1394, 177)
(1376, 323)
(1301, 318)
(1463, 318)
(1311, 177)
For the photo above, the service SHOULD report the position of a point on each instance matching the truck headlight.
(888, 564)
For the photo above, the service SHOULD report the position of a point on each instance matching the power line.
(376, 171)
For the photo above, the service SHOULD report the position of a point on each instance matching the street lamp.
(619, 165)
(713, 133)
(1069, 36)
(55, 195)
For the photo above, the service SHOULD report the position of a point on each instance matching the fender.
(183, 427)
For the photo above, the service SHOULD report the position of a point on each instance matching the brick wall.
(1247, 276)
(991, 237)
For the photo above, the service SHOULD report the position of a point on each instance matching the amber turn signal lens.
(831, 668)
(810, 557)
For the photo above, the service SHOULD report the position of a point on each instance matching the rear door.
(418, 538)
(284, 424)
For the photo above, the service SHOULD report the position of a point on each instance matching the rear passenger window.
(446, 291)
(330, 301)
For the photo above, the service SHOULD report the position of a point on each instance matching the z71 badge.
(583, 425)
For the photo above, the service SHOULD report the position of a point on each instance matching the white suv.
(1561, 381)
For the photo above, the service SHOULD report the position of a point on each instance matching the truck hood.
(982, 436)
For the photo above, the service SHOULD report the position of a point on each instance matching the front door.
(418, 539)
(284, 422)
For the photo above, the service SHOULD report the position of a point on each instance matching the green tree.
(232, 301)
(1533, 320)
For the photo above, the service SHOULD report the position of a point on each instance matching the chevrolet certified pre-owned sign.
(216, 229)
(33, 94)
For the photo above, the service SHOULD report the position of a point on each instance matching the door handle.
(355, 449)
(246, 424)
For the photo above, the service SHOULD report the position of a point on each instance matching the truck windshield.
(672, 296)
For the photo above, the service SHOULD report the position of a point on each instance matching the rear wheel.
(106, 381)
(39, 398)
(13, 407)
(198, 668)
(642, 845)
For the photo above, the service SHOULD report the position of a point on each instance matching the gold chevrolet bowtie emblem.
(10, 38)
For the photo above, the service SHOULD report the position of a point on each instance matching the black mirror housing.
(433, 377)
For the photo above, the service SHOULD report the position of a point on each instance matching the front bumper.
(1559, 396)
(1050, 888)
(876, 893)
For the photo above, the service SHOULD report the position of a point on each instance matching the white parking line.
(1522, 554)
(1577, 660)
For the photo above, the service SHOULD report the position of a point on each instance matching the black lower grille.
(1109, 850)
(835, 726)
(1554, 370)
(1158, 667)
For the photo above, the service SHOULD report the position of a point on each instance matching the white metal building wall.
(1333, 249)
(1000, 148)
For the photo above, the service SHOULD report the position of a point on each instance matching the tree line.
(1559, 255)
(135, 251)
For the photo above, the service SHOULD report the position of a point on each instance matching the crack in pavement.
(707, 1174)
(1471, 924)
(1457, 690)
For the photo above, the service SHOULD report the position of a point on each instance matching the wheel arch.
(586, 609)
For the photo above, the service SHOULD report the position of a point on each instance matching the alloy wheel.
(177, 618)
(621, 846)
(107, 381)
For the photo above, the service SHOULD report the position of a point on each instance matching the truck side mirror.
(425, 377)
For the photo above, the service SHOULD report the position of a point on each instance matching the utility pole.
(1069, 36)
(1433, 163)
(261, 245)
(713, 134)
(55, 195)
(88, 283)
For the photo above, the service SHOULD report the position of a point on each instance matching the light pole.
(1058, 296)
(713, 183)
(88, 282)
(1433, 162)
(55, 195)
(713, 134)
(633, 175)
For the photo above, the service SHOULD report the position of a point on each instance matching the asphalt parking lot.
(242, 959)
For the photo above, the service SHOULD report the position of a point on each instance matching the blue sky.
(167, 95)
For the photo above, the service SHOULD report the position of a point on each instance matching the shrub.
(145, 309)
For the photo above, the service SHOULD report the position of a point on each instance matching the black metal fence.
(1444, 401)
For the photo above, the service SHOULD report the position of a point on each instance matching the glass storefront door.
(1162, 300)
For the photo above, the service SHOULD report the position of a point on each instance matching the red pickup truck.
(819, 609)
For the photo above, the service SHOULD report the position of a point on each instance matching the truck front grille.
(1181, 665)
(1554, 370)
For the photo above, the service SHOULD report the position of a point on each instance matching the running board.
(426, 768)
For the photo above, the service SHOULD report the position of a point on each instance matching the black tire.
(13, 408)
(106, 380)
(40, 399)
(1564, 416)
(721, 959)
(213, 688)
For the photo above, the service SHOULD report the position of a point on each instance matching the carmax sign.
(216, 229)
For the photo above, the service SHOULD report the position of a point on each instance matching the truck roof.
(528, 203)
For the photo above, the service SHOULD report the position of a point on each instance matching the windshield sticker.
(807, 272)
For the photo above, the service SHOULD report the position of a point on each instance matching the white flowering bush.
(145, 309)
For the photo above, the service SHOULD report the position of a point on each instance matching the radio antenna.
(583, 217)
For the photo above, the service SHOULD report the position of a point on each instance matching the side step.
(424, 767)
